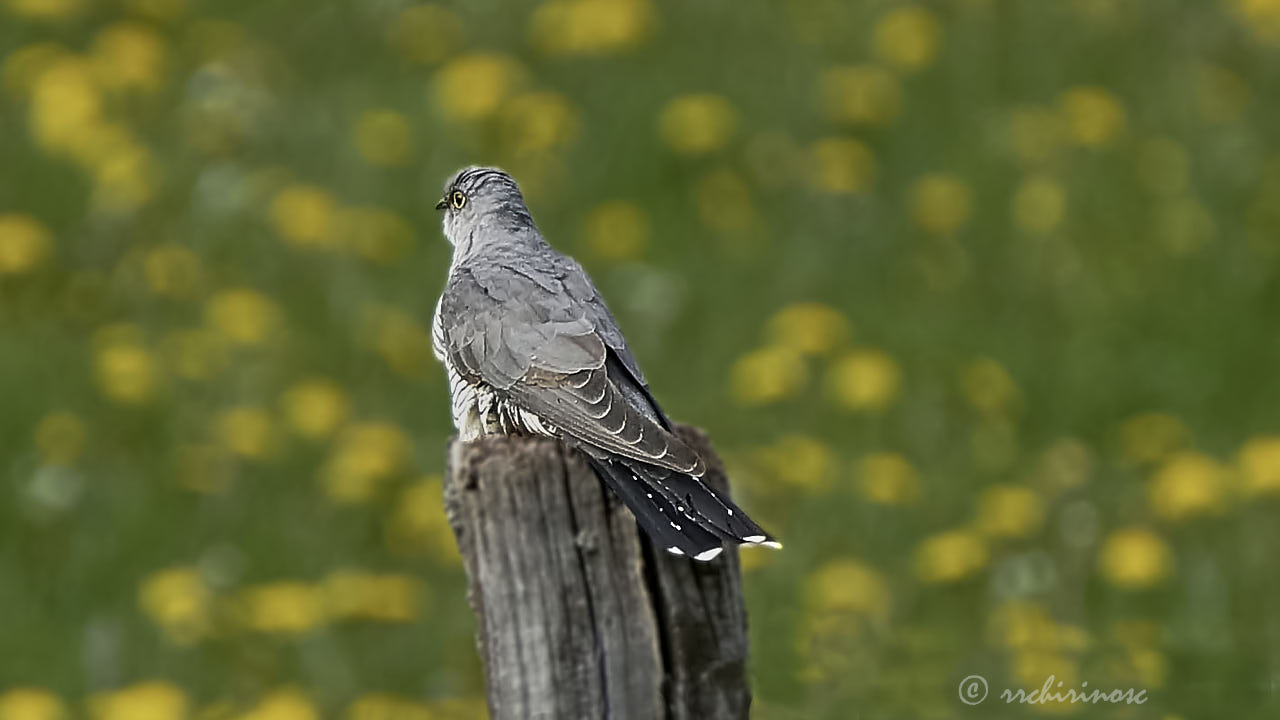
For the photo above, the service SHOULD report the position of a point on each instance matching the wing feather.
(561, 358)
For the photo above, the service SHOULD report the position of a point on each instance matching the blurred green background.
(977, 298)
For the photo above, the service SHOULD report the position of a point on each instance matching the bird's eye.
(458, 200)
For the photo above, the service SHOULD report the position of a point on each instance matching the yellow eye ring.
(458, 200)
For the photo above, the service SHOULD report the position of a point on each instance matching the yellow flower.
(19, 71)
(383, 137)
(24, 703)
(24, 243)
(849, 586)
(538, 121)
(908, 37)
(196, 354)
(425, 33)
(1009, 511)
(860, 94)
(472, 87)
(1135, 558)
(304, 216)
(243, 316)
(286, 607)
(355, 595)
(378, 706)
(799, 460)
(50, 10)
(888, 479)
(617, 230)
(365, 455)
(1150, 437)
(315, 407)
(124, 181)
(950, 556)
(282, 704)
(47, 9)
(841, 166)
(939, 203)
(989, 388)
(590, 27)
(375, 234)
(767, 375)
(172, 271)
(418, 524)
(60, 438)
(1151, 667)
(1186, 485)
(1022, 625)
(126, 371)
(1262, 17)
(108, 148)
(129, 56)
(810, 328)
(725, 202)
(1094, 116)
(179, 601)
(247, 431)
(865, 380)
(1259, 463)
(1031, 668)
(697, 124)
(154, 700)
(1039, 204)
(65, 103)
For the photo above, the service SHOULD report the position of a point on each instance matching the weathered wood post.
(579, 616)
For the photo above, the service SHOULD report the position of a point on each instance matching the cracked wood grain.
(577, 616)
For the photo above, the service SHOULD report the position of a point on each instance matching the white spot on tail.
(675, 550)
(772, 544)
(706, 555)
(754, 539)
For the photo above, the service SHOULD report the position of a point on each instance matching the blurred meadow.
(979, 300)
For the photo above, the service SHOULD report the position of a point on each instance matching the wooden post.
(579, 616)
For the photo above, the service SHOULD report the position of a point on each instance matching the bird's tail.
(679, 512)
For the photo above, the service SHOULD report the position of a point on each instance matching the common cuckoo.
(530, 348)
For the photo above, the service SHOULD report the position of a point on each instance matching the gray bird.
(531, 348)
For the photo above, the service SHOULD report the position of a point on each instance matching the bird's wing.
(532, 340)
(579, 286)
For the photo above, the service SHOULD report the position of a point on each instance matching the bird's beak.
(442, 204)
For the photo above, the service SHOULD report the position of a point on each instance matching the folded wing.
(544, 351)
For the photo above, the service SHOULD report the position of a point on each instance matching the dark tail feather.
(695, 500)
(656, 516)
(679, 512)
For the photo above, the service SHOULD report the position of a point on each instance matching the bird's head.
(478, 198)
